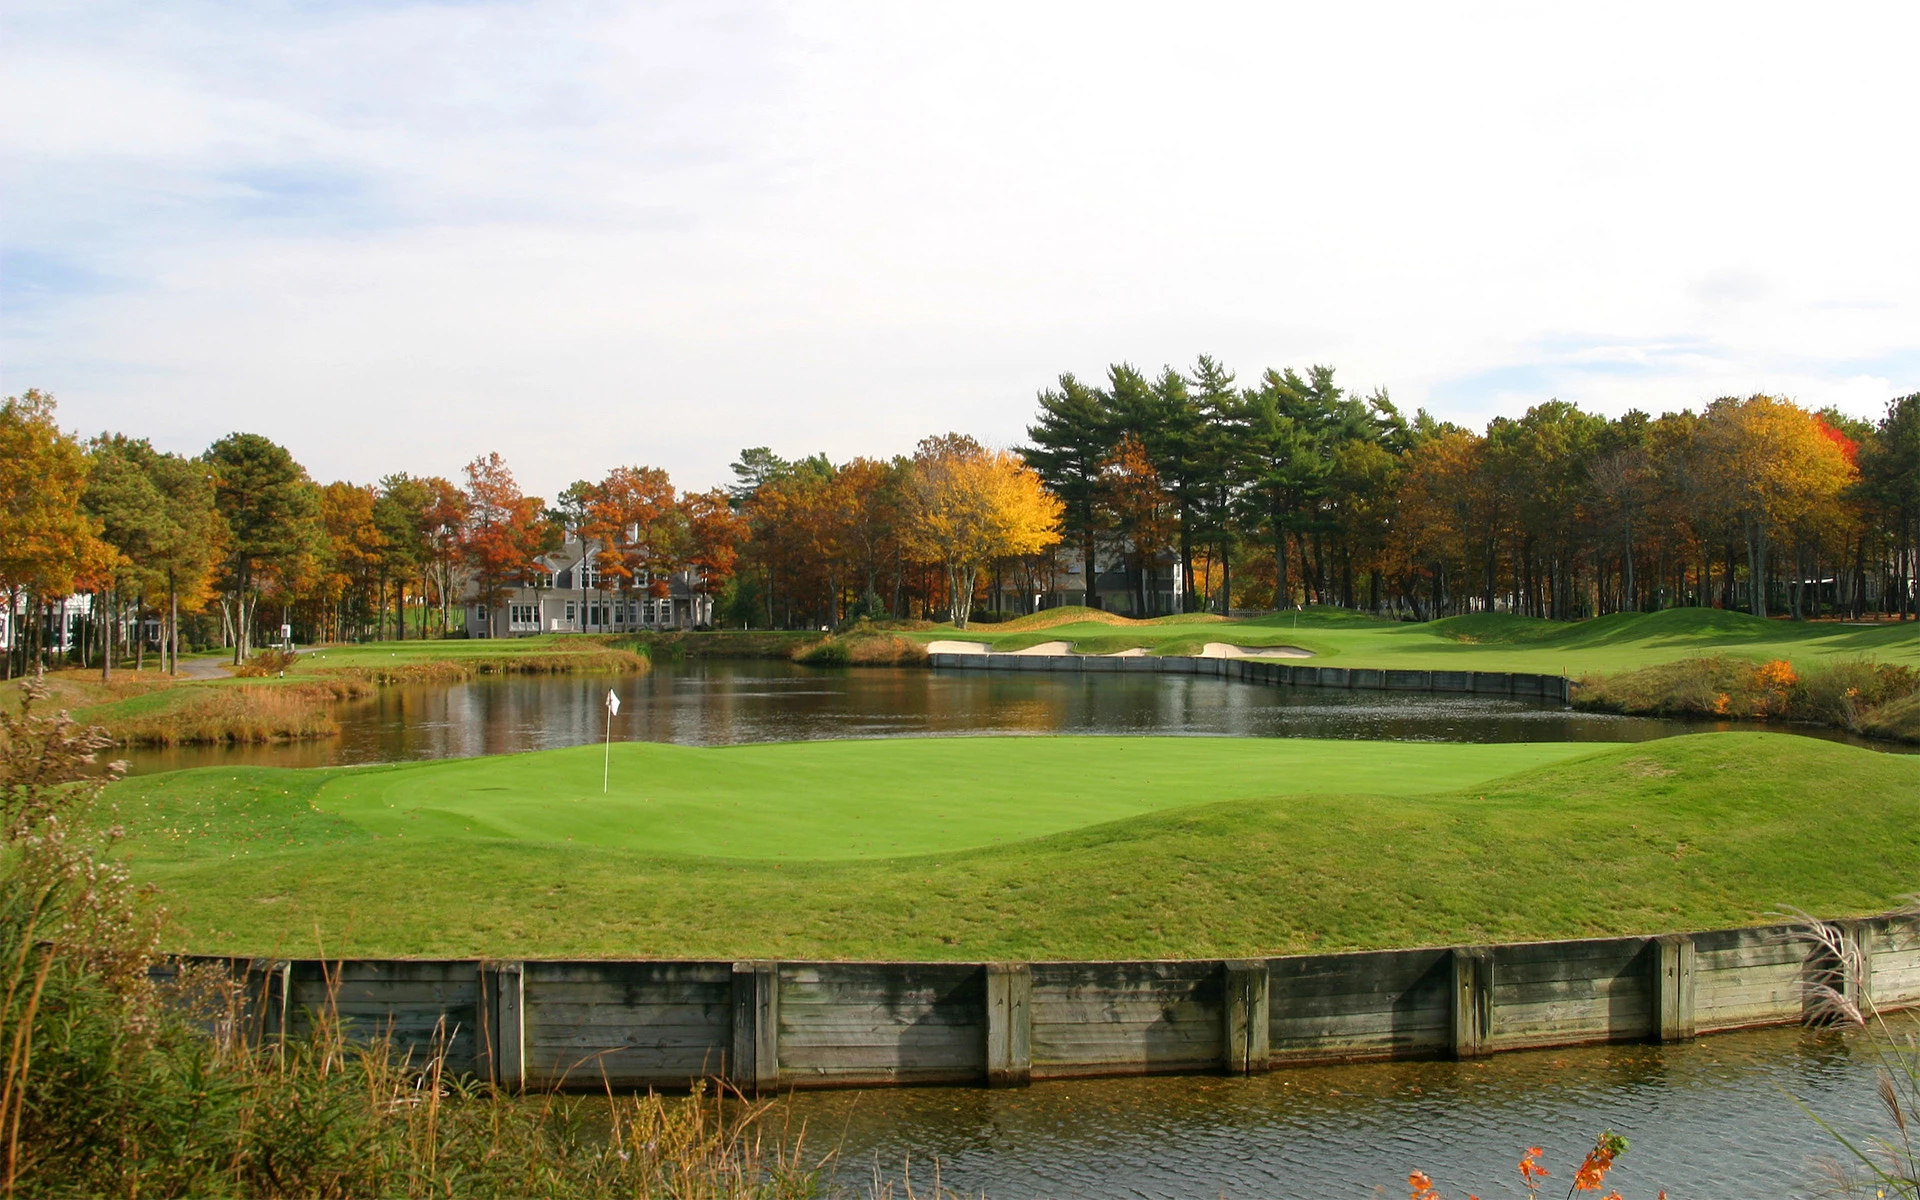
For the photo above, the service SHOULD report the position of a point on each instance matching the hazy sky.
(394, 236)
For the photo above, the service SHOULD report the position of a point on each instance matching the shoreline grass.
(1863, 697)
(1702, 831)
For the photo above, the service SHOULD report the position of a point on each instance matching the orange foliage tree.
(505, 534)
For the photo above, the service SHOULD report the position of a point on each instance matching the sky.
(394, 236)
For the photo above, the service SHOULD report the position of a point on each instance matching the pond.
(710, 703)
(1711, 1118)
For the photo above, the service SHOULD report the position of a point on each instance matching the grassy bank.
(719, 643)
(269, 703)
(150, 709)
(1484, 642)
(1876, 699)
(1106, 847)
(454, 660)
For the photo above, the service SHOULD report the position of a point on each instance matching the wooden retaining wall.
(1476, 683)
(765, 1026)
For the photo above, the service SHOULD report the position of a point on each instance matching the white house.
(568, 595)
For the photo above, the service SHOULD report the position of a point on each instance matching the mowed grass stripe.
(883, 798)
(1685, 833)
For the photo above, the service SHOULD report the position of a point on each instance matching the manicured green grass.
(1692, 832)
(874, 799)
(1486, 642)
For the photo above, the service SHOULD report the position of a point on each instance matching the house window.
(564, 580)
(572, 615)
(523, 616)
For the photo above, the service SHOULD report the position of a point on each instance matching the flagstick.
(606, 767)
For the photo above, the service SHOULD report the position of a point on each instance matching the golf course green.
(1479, 642)
(1021, 847)
(878, 799)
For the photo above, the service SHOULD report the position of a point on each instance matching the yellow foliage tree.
(1774, 469)
(967, 506)
(48, 544)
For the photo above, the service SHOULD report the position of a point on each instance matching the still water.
(1712, 1118)
(722, 702)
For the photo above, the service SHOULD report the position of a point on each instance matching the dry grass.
(239, 715)
(863, 647)
(601, 660)
(1879, 699)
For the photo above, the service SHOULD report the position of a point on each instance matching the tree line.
(225, 547)
(1295, 490)
(1291, 490)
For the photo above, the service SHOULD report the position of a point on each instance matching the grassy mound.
(1170, 847)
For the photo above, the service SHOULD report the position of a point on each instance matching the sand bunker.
(1046, 648)
(1225, 650)
(957, 648)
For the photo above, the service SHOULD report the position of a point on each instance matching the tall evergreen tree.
(1067, 445)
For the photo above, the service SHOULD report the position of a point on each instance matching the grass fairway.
(1176, 848)
(1482, 642)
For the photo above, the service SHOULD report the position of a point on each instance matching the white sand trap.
(1046, 648)
(1136, 652)
(1226, 650)
(957, 647)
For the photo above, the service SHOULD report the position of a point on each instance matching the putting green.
(884, 798)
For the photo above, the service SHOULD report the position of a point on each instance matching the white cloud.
(395, 236)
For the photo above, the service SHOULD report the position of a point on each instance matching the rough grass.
(718, 643)
(151, 709)
(1686, 833)
(1484, 642)
(455, 661)
(862, 646)
(1856, 695)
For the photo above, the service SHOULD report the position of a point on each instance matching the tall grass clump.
(862, 646)
(1886, 1162)
(1880, 699)
(115, 1084)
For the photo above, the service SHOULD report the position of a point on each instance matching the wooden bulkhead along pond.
(764, 1026)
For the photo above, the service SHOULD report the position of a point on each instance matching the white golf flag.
(613, 704)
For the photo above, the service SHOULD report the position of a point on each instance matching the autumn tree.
(968, 506)
(634, 516)
(443, 526)
(715, 533)
(48, 543)
(506, 532)
(1775, 469)
(1141, 513)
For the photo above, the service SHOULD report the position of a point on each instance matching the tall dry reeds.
(1885, 1162)
(240, 714)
